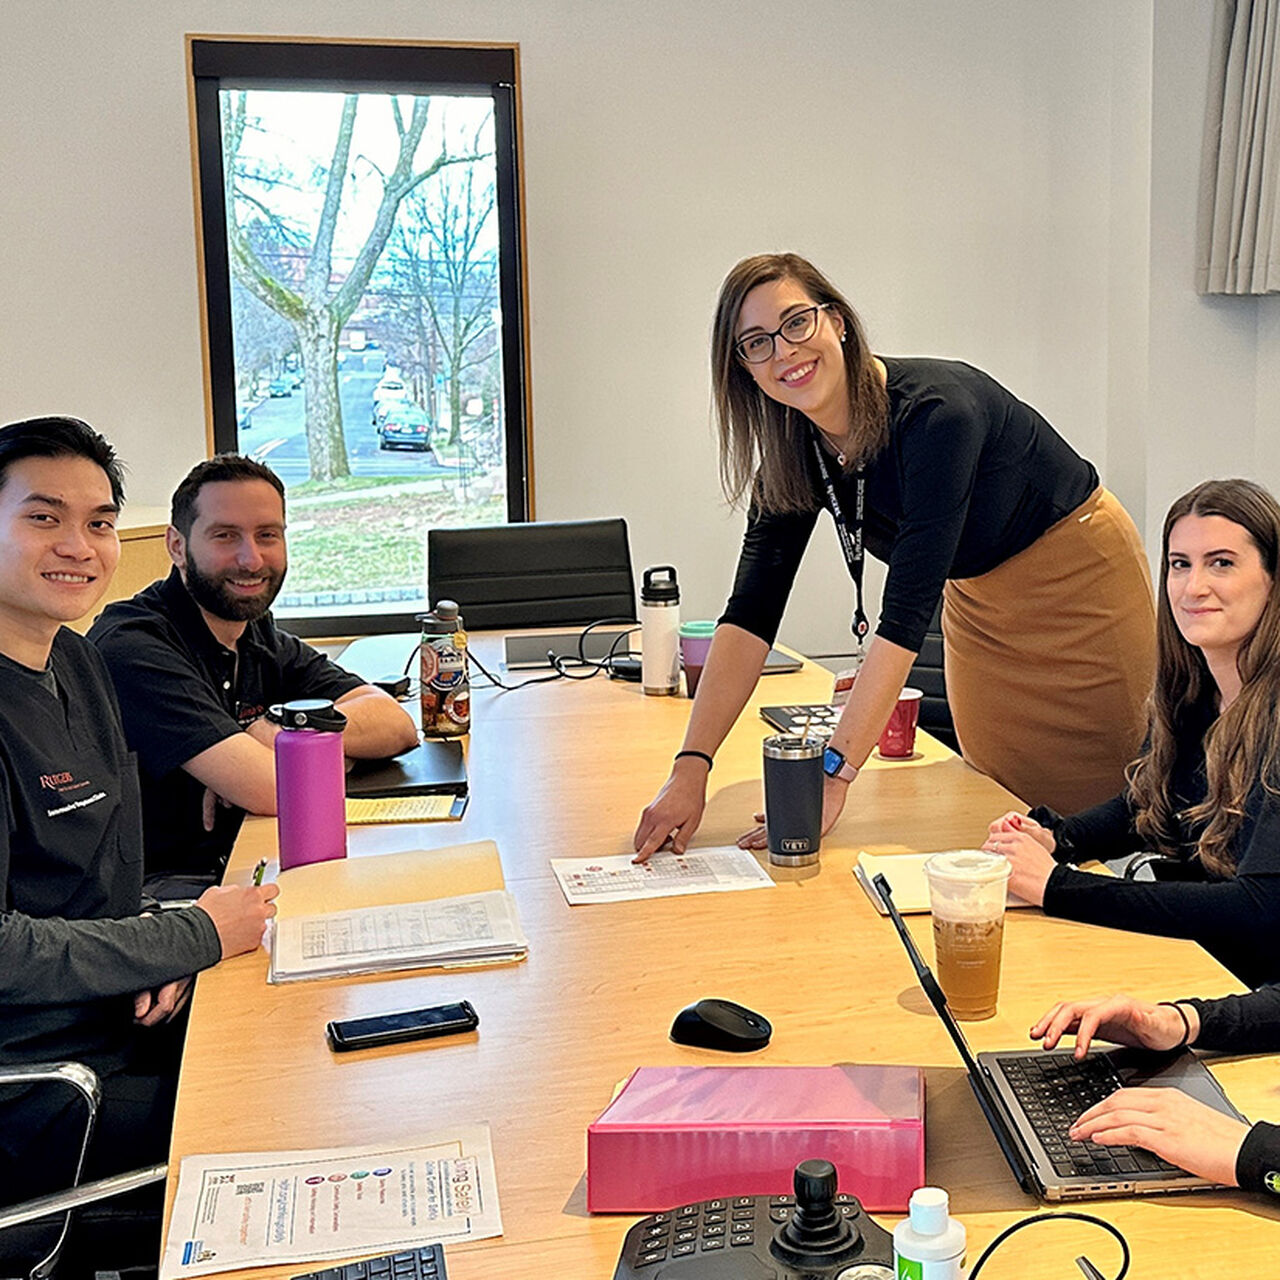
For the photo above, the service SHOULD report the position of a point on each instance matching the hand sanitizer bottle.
(928, 1244)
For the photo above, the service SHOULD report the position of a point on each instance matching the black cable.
(1055, 1217)
(557, 661)
(560, 662)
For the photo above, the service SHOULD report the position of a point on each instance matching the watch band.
(834, 765)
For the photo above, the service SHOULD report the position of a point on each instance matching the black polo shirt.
(181, 692)
(73, 948)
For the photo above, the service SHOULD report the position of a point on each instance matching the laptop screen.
(986, 1095)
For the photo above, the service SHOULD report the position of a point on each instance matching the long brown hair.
(1242, 746)
(764, 445)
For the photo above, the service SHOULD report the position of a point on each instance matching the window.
(360, 233)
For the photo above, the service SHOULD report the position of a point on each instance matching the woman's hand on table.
(1171, 1123)
(1119, 1019)
(833, 794)
(1031, 862)
(1014, 821)
(676, 811)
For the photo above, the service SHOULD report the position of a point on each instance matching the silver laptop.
(1030, 1097)
(524, 650)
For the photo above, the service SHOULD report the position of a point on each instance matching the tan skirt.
(1050, 658)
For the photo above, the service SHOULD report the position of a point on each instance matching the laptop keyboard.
(1053, 1089)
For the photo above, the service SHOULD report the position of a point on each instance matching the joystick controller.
(817, 1234)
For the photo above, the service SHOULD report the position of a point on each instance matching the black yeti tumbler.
(793, 799)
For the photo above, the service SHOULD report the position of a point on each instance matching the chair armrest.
(1162, 867)
(75, 1074)
(87, 1193)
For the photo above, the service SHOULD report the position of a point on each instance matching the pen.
(257, 872)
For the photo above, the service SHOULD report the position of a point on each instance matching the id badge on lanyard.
(850, 536)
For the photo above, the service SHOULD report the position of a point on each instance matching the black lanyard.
(850, 539)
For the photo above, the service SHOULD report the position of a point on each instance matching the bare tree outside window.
(364, 256)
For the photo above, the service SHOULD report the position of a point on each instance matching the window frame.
(215, 63)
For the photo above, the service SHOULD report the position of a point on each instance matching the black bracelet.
(1186, 1022)
(701, 755)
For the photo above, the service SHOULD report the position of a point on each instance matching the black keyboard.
(1053, 1089)
(425, 1263)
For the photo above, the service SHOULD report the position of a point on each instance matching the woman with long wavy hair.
(967, 494)
(1205, 791)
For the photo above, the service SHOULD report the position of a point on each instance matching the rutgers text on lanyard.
(850, 538)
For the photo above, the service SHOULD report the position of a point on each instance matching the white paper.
(467, 929)
(665, 875)
(263, 1208)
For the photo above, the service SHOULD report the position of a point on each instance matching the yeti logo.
(795, 846)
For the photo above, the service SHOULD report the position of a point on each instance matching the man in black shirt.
(81, 971)
(197, 659)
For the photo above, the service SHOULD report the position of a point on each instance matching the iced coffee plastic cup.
(898, 741)
(967, 894)
(695, 643)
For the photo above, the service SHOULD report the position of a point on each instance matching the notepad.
(405, 809)
(905, 874)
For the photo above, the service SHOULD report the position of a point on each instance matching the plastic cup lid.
(697, 630)
(967, 866)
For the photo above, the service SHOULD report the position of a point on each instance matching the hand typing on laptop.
(1166, 1121)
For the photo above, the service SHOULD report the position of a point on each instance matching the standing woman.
(953, 482)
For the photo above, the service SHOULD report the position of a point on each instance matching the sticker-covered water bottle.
(445, 689)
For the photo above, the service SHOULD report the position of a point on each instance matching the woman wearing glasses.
(965, 492)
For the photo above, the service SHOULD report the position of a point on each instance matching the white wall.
(1007, 181)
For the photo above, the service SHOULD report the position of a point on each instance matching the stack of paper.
(473, 929)
(418, 909)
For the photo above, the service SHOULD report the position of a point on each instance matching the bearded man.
(197, 659)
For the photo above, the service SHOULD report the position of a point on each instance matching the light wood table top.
(563, 769)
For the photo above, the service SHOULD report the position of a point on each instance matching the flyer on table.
(262, 1208)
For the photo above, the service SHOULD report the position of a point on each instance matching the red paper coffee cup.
(898, 741)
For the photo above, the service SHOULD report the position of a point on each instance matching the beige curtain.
(1238, 235)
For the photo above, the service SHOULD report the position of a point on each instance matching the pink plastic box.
(678, 1134)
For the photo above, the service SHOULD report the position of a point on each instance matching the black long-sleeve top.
(1247, 1024)
(970, 477)
(73, 948)
(1235, 918)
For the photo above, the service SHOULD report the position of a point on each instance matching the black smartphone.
(393, 1028)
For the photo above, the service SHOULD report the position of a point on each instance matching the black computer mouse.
(721, 1024)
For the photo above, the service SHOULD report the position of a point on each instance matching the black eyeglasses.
(798, 327)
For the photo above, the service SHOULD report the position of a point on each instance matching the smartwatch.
(834, 765)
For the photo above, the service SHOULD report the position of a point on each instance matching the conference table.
(562, 770)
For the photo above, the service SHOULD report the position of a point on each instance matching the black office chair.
(533, 575)
(928, 675)
(33, 1233)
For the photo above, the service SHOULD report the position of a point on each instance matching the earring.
(844, 335)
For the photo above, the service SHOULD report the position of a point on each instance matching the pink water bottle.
(310, 781)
